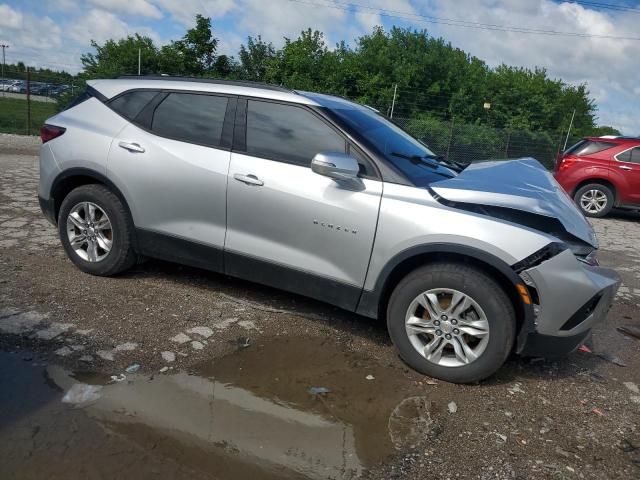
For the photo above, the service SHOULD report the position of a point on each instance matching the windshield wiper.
(427, 160)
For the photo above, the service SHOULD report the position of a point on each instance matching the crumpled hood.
(522, 184)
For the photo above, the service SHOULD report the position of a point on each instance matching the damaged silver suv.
(326, 198)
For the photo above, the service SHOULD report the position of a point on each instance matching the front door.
(288, 226)
(628, 166)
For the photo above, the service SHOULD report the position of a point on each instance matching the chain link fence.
(463, 142)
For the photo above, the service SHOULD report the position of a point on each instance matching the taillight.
(565, 164)
(49, 132)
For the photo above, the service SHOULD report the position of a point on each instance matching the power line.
(455, 22)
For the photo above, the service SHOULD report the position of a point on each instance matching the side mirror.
(338, 166)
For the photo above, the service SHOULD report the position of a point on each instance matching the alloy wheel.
(447, 327)
(89, 232)
(593, 201)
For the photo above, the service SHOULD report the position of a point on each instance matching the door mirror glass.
(338, 166)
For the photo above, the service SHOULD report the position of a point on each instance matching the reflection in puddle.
(251, 413)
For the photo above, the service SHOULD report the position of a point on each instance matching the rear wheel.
(451, 321)
(96, 231)
(594, 200)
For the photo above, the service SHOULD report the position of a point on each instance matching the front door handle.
(248, 179)
(624, 167)
(132, 147)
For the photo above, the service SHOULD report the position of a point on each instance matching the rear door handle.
(624, 167)
(132, 147)
(248, 179)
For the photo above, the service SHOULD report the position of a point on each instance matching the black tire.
(473, 282)
(599, 188)
(122, 255)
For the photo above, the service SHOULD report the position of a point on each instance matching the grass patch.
(13, 115)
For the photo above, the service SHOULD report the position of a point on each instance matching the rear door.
(286, 225)
(171, 163)
(628, 167)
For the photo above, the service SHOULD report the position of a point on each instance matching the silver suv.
(326, 198)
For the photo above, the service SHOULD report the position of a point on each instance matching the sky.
(54, 33)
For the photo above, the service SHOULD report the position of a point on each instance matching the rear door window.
(288, 134)
(130, 104)
(190, 117)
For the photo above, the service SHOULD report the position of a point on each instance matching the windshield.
(411, 157)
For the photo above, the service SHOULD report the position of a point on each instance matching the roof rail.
(238, 83)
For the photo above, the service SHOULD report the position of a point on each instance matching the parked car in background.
(326, 198)
(601, 173)
(19, 87)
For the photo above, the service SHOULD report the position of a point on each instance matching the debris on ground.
(598, 412)
(611, 359)
(133, 368)
(168, 356)
(453, 407)
(517, 388)
(370, 377)
(318, 390)
(82, 393)
(630, 330)
(118, 378)
(502, 438)
(584, 349)
(243, 342)
(164, 369)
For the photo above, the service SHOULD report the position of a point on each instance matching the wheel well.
(601, 181)
(408, 265)
(66, 185)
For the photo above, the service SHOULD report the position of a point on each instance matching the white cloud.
(9, 17)
(132, 7)
(184, 11)
(98, 25)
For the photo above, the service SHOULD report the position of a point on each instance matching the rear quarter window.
(589, 147)
(130, 104)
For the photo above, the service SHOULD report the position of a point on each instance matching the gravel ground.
(572, 418)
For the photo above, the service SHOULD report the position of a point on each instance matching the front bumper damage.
(570, 298)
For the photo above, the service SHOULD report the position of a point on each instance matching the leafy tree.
(255, 58)
(195, 53)
(115, 58)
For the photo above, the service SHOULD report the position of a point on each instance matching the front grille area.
(582, 314)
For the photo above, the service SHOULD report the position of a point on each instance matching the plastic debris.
(584, 349)
(133, 368)
(118, 378)
(82, 393)
(318, 390)
(431, 382)
(598, 412)
(503, 438)
(164, 369)
(243, 342)
(453, 407)
(370, 377)
(630, 330)
(612, 359)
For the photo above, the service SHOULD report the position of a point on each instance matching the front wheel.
(451, 321)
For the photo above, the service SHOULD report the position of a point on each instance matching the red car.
(601, 173)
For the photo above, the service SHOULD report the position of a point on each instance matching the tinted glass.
(191, 118)
(130, 104)
(590, 147)
(632, 155)
(393, 143)
(288, 134)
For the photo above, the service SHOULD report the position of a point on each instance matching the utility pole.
(3, 62)
(139, 58)
(569, 131)
(28, 101)
(393, 103)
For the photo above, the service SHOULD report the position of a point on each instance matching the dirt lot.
(221, 374)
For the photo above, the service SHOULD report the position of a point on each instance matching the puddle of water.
(248, 415)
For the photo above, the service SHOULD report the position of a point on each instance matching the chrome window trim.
(624, 151)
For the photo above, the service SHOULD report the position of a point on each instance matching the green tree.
(255, 58)
(193, 54)
(115, 58)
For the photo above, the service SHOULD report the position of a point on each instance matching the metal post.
(393, 103)
(139, 58)
(3, 62)
(569, 131)
(28, 101)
